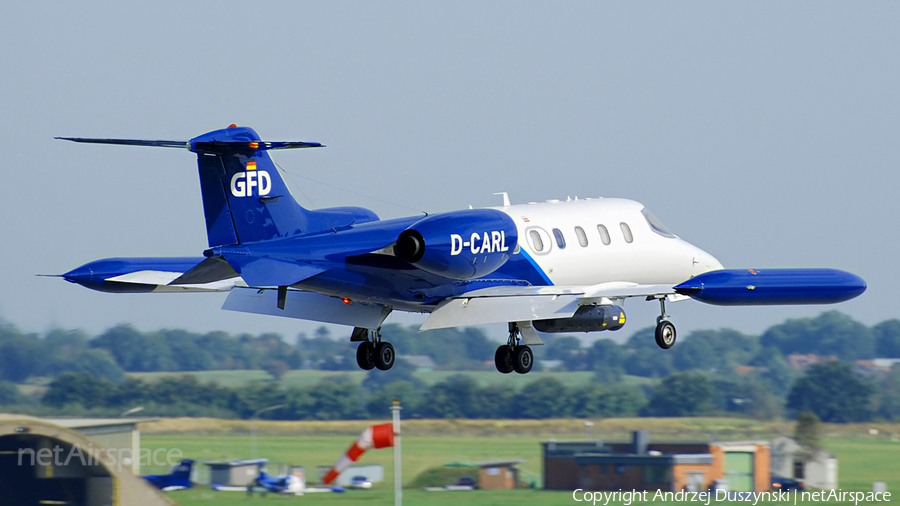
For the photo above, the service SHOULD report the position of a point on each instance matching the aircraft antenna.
(348, 191)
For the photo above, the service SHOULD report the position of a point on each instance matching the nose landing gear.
(513, 356)
(665, 330)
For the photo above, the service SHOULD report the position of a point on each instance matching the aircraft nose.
(704, 262)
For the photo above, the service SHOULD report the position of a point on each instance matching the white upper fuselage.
(650, 257)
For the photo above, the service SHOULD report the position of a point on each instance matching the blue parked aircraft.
(555, 266)
(178, 479)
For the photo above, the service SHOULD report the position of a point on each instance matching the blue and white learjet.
(555, 266)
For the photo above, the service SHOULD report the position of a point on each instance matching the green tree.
(135, 351)
(78, 388)
(565, 348)
(98, 363)
(277, 369)
(379, 403)
(746, 397)
(682, 394)
(830, 333)
(9, 393)
(806, 430)
(492, 401)
(714, 350)
(336, 399)
(62, 346)
(606, 401)
(402, 371)
(185, 350)
(21, 355)
(646, 358)
(832, 392)
(451, 398)
(542, 398)
(887, 339)
(887, 395)
(773, 371)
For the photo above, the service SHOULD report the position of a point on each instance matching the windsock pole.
(398, 489)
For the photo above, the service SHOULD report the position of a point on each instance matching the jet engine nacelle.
(586, 319)
(460, 244)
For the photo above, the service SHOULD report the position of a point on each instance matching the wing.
(526, 303)
(307, 306)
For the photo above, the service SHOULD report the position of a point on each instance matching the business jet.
(554, 266)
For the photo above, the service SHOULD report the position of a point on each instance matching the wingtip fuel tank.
(758, 287)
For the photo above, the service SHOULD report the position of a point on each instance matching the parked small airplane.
(178, 479)
(555, 266)
(283, 485)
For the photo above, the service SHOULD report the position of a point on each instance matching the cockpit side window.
(656, 225)
(536, 241)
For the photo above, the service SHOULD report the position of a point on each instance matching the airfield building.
(667, 466)
(816, 468)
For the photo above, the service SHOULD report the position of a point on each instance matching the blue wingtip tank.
(749, 287)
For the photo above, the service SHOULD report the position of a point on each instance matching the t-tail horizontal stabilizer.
(245, 198)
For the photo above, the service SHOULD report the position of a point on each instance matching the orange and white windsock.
(376, 436)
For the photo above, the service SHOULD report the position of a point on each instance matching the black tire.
(523, 359)
(503, 360)
(665, 334)
(365, 356)
(384, 355)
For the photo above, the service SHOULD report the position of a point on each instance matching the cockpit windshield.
(656, 225)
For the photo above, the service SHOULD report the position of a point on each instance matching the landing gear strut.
(373, 352)
(665, 330)
(513, 356)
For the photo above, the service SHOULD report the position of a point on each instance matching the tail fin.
(244, 197)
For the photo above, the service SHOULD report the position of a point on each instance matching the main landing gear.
(372, 351)
(513, 356)
(665, 330)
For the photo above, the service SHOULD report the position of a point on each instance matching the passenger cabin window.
(604, 234)
(582, 238)
(656, 225)
(626, 232)
(560, 240)
(537, 243)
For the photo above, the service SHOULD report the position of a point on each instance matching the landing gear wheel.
(503, 360)
(365, 356)
(523, 359)
(665, 334)
(384, 355)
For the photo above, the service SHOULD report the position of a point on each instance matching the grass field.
(862, 458)
(307, 378)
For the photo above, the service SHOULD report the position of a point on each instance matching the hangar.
(42, 462)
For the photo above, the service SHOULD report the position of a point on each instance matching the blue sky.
(763, 132)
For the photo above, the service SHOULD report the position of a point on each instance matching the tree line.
(830, 390)
(123, 349)
(696, 377)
